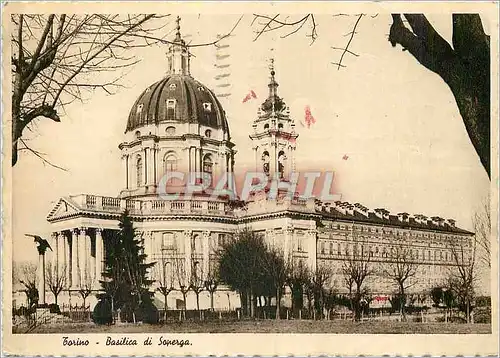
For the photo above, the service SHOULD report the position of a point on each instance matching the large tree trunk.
(465, 68)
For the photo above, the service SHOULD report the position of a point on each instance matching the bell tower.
(274, 138)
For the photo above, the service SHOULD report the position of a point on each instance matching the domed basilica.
(178, 125)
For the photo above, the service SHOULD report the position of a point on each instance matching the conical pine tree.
(125, 275)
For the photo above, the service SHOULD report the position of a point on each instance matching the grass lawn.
(272, 326)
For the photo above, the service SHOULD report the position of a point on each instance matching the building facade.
(178, 125)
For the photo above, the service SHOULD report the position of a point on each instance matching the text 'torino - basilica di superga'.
(178, 124)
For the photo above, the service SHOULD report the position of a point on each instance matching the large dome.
(177, 97)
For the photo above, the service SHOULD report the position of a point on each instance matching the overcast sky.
(397, 122)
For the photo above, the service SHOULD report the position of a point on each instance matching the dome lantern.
(178, 54)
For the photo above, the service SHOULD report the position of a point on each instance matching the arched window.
(280, 126)
(265, 160)
(170, 131)
(331, 248)
(139, 170)
(208, 133)
(208, 169)
(322, 247)
(266, 126)
(170, 163)
(281, 163)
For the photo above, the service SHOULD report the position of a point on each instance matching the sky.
(397, 122)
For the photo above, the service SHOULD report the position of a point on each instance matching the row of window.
(339, 250)
(170, 131)
(170, 165)
(171, 108)
(169, 242)
(398, 233)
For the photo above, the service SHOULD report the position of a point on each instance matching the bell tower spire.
(178, 54)
(274, 137)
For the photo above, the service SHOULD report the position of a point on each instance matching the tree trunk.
(211, 301)
(278, 299)
(165, 307)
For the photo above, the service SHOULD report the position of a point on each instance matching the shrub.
(148, 312)
(102, 312)
(483, 301)
(54, 308)
(482, 316)
(127, 313)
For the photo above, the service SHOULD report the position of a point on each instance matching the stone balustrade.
(152, 207)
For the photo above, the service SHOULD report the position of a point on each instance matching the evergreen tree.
(125, 281)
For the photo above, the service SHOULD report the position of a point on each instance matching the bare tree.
(464, 67)
(462, 278)
(86, 286)
(197, 281)
(26, 274)
(400, 268)
(297, 280)
(56, 279)
(212, 281)
(320, 278)
(277, 268)
(164, 275)
(60, 58)
(356, 268)
(183, 279)
(482, 228)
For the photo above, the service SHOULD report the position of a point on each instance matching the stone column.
(311, 240)
(82, 256)
(54, 254)
(206, 253)
(125, 171)
(187, 251)
(59, 238)
(197, 164)
(74, 259)
(288, 242)
(155, 164)
(145, 166)
(41, 278)
(66, 257)
(99, 256)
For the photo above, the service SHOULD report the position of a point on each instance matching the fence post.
(300, 314)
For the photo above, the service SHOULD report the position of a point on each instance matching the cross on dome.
(178, 27)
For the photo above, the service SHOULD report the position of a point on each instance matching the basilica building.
(178, 125)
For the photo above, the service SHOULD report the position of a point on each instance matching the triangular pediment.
(63, 208)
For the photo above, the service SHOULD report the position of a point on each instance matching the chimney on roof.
(349, 208)
(404, 217)
(436, 220)
(382, 213)
(363, 210)
(341, 207)
(421, 219)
